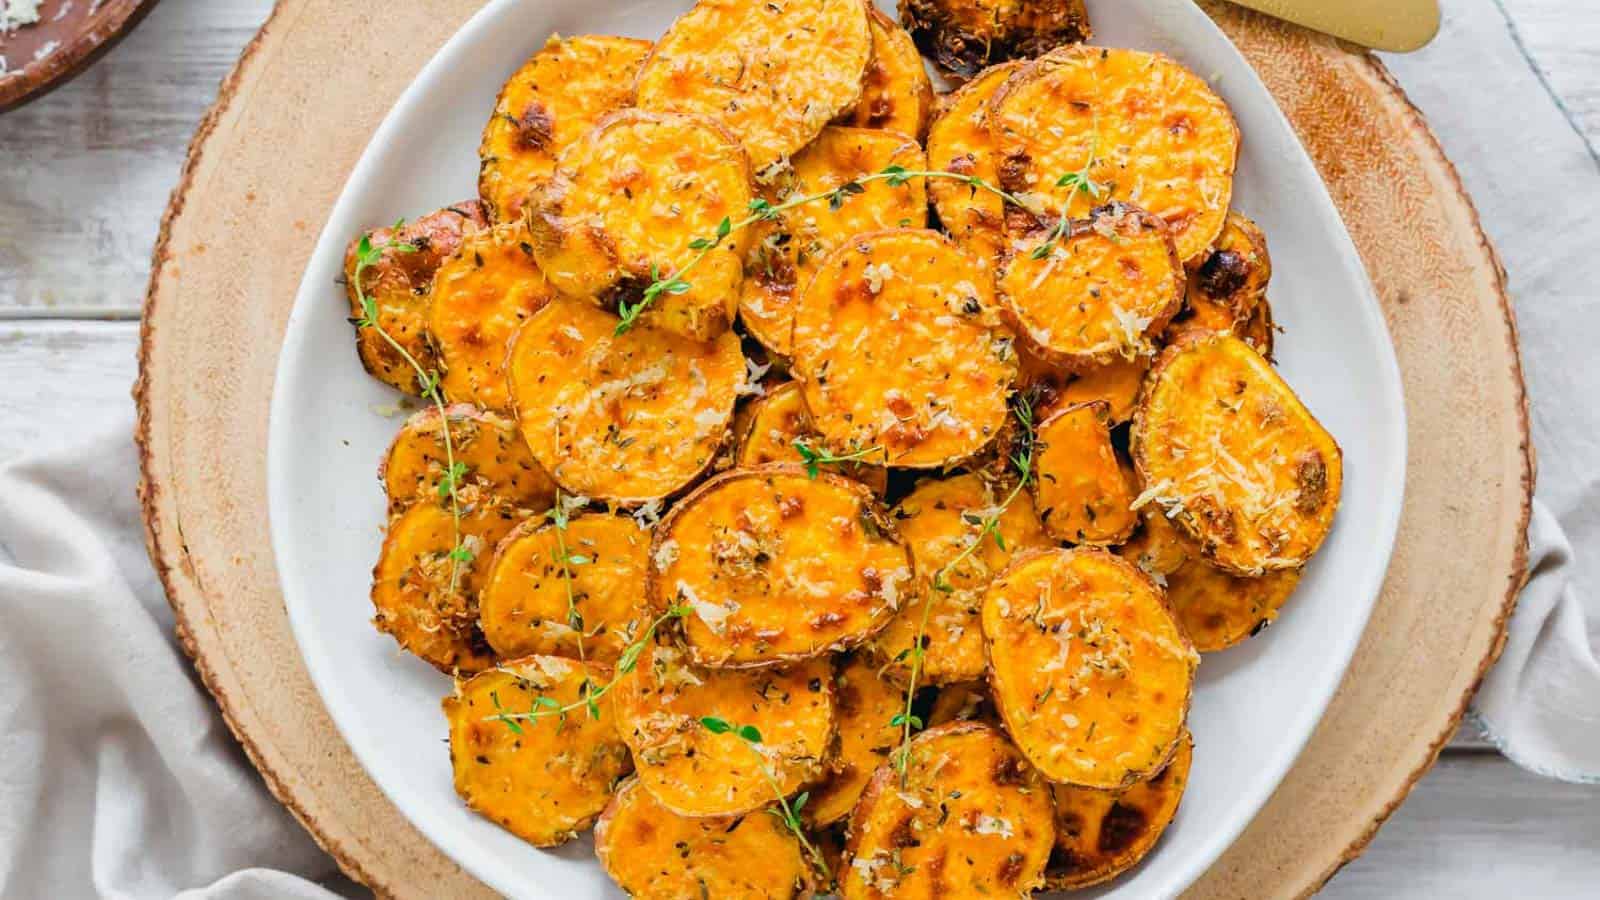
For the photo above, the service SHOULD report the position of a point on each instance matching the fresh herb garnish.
(787, 812)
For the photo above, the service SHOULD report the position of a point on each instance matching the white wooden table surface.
(85, 173)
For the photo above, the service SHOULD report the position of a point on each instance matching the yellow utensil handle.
(1398, 25)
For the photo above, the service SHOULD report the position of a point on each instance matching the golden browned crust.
(964, 36)
(1101, 834)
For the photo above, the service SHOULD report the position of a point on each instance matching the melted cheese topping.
(898, 345)
(1097, 295)
(1083, 490)
(789, 252)
(1101, 834)
(777, 566)
(1156, 133)
(523, 604)
(959, 141)
(775, 422)
(497, 460)
(411, 583)
(557, 96)
(627, 419)
(773, 71)
(940, 520)
(1088, 666)
(1229, 452)
(866, 704)
(628, 199)
(973, 819)
(896, 94)
(654, 854)
(547, 780)
(693, 772)
(480, 297)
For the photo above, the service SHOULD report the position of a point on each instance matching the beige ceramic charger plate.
(273, 154)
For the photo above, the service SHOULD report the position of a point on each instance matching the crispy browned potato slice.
(1116, 384)
(964, 36)
(1260, 332)
(398, 283)
(628, 419)
(778, 566)
(1231, 278)
(1101, 834)
(896, 93)
(626, 203)
(866, 706)
(772, 425)
(1088, 666)
(967, 701)
(694, 772)
(497, 463)
(480, 297)
(898, 345)
(1216, 610)
(1142, 127)
(1083, 490)
(1224, 446)
(524, 606)
(789, 252)
(959, 141)
(972, 818)
(1100, 293)
(939, 520)
(545, 780)
(557, 95)
(653, 853)
(773, 73)
(411, 583)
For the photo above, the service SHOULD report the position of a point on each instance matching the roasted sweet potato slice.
(498, 466)
(399, 285)
(1224, 446)
(411, 583)
(531, 603)
(866, 705)
(1216, 610)
(543, 780)
(971, 818)
(898, 346)
(694, 772)
(1121, 125)
(1101, 834)
(965, 36)
(939, 520)
(627, 202)
(774, 422)
(1116, 384)
(790, 251)
(557, 96)
(1260, 331)
(959, 141)
(480, 297)
(1088, 666)
(778, 566)
(773, 73)
(1231, 278)
(628, 419)
(1097, 294)
(1083, 490)
(653, 853)
(896, 93)
(966, 701)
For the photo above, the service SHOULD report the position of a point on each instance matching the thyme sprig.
(1078, 181)
(815, 458)
(762, 210)
(545, 707)
(787, 812)
(560, 515)
(988, 527)
(368, 255)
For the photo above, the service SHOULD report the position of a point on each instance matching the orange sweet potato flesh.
(777, 566)
(775, 421)
(1225, 447)
(1083, 491)
(1101, 834)
(1088, 666)
(653, 853)
(896, 93)
(866, 704)
(544, 780)
(498, 464)
(959, 141)
(972, 818)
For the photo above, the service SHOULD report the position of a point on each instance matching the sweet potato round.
(865, 705)
(959, 141)
(775, 421)
(1082, 490)
(896, 93)
(499, 467)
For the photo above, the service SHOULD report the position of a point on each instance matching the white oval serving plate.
(1254, 706)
